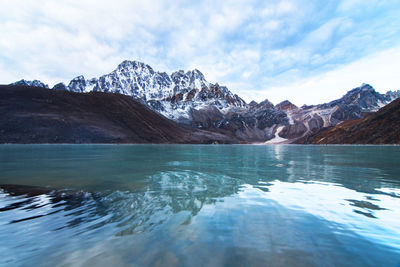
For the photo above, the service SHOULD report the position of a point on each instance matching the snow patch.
(277, 139)
(290, 118)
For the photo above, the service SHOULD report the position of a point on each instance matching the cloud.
(357, 5)
(381, 70)
(248, 45)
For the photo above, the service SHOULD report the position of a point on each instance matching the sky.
(305, 51)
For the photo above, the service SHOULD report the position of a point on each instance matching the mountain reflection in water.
(199, 205)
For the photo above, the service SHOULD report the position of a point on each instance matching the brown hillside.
(38, 115)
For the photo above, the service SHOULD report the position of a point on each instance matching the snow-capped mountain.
(353, 105)
(187, 97)
(35, 83)
(175, 96)
(365, 97)
(285, 122)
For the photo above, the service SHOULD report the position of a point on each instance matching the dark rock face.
(382, 127)
(60, 86)
(293, 131)
(254, 122)
(252, 104)
(266, 104)
(38, 115)
(315, 123)
(269, 117)
(206, 118)
(286, 105)
(255, 126)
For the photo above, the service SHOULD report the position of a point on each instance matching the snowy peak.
(286, 105)
(365, 97)
(35, 83)
(217, 92)
(185, 82)
(253, 103)
(365, 87)
(132, 78)
(266, 104)
(173, 95)
(392, 95)
(134, 66)
(79, 84)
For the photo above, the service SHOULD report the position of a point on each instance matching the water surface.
(195, 205)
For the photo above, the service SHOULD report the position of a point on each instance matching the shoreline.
(199, 144)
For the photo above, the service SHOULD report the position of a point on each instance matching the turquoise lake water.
(199, 205)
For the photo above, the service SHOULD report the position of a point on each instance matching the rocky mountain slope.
(355, 104)
(382, 127)
(285, 122)
(38, 115)
(188, 98)
(174, 96)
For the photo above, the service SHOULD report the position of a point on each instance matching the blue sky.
(304, 51)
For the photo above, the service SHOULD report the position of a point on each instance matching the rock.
(60, 86)
(286, 105)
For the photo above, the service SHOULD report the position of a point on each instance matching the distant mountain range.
(189, 99)
(381, 127)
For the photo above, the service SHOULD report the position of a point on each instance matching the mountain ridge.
(381, 127)
(188, 98)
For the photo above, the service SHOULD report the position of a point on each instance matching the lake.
(199, 205)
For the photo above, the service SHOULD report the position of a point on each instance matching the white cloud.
(381, 70)
(356, 5)
(248, 45)
(285, 7)
(324, 33)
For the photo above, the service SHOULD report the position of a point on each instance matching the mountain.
(39, 115)
(286, 105)
(174, 96)
(188, 98)
(285, 122)
(35, 83)
(382, 127)
(355, 104)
